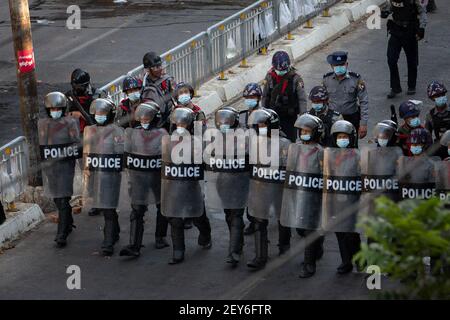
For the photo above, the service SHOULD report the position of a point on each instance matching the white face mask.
(224, 127)
(263, 131)
(145, 125)
(56, 114)
(134, 96)
(100, 119)
(342, 143)
(305, 137)
(181, 130)
(382, 142)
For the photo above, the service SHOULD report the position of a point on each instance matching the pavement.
(35, 269)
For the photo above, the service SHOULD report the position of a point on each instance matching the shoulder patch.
(361, 85)
(326, 75)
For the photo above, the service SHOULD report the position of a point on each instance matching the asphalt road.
(35, 269)
(112, 40)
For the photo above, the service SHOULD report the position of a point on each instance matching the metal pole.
(26, 79)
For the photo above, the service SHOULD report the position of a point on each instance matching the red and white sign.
(26, 61)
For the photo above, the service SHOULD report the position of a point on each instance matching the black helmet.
(308, 121)
(151, 59)
(408, 109)
(80, 81)
(264, 116)
(343, 126)
(227, 116)
(319, 93)
(130, 83)
(421, 136)
(181, 85)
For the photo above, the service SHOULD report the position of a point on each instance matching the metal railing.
(13, 169)
(231, 41)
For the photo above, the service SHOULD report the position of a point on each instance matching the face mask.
(145, 125)
(134, 96)
(281, 72)
(317, 106)
(414, 122)
(224, 127)
(181, 130)
(441, 101)
(340, 70)
(342, 143)
(263, 131)
(184, 98)
(415, 150)
(100, 119)
(305, 137)
(251, 103)
(448, 151)
(56, 114)
(383, 142)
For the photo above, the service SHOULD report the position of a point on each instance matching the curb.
(29, 216)
(215, 93)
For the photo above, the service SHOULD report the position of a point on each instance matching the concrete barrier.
(215, 93)
(28, 217)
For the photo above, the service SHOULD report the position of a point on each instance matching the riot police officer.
(143, 166)
(438, 119)
(182, 184)
(131, 87)
(409, 112)
(252, 99)
(59, 139)
(347, 92)
(406, 28)
(103, 147)
(302, 205)
(79, 99)
(320, 108)
(342, 161)
(158, 87)
(284, 92)
(266, 183)
(227, 173)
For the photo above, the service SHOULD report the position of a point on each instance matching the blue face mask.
(251, 103)
(340, 70)
(382, 142)
(414, 122)
(56, 114)
(416, 150)
(305, 137)
(342, 143)
(448, 151)
(184, 98)
(145, 125)
(224, 127)
(100, 119)
(281, 72)
(441, 101)
(317, 106)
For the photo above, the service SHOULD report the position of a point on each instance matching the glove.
(420, 34)
(384, 14)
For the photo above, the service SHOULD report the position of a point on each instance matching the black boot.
(116, 227)
(65, 221)
(136, 235)
(308, 266)
(393, 93)
(284, 239)
(177, 233)
(319, 252)
(250, 229)
(204, 227)
(109, 232)
(161, 229)
(235, 223)
(346, 255)
(261, 246)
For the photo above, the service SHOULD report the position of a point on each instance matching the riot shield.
(60, 146)
(227, 173)
(302, 196)
(379, 175)
(182, 183)
(102, 165)
(267, 180)
(142, 160)
(442, 169)
(416, 177)
(342, 188)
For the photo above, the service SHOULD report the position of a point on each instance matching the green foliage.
(403, 234)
